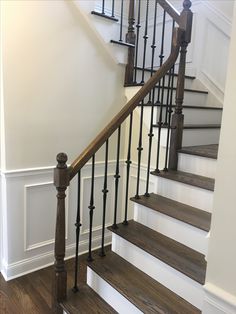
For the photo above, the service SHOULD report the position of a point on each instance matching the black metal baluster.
(113, 9)
(139, 149)
(117, 177)
(104, 191)
(91, 210)
(153, 46)
(172, 72)
(168, 97)
(128, 163)
(77, 225)
(121, 20)
(103, 6)
(145, 37)
(161, 95)
(138, 25)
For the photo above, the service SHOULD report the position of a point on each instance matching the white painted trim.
(28, 265)
(218, 301)
(110, 294)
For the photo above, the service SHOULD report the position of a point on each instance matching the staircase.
(158, 259)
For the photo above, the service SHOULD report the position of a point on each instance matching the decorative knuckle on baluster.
(61, 159)
(187, 4)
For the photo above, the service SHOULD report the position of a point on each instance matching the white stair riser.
(188, 82)
(197, 165)
(191, 116)
(200, 137)
(109, 294)
(184, 193)
(172, 228)
(193, 137)
(166, 275)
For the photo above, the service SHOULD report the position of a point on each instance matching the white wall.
(56, 74)
(61, 86)
(221, 270)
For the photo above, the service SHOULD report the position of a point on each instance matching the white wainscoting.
(29, 215)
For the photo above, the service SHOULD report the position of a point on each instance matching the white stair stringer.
(202, 166)
(174, 280)
(110, 294)
(184, 193)
(177, 230)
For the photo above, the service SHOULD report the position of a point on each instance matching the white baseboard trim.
(26, 266)
(218, 301)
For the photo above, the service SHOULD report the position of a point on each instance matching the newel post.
(61, 181)
(178, 117)
(131, 39)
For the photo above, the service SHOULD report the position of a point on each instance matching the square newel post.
(61, 181)
(177, 122)
(130, 38)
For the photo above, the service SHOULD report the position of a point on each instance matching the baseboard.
(26, 266)
(218, 301)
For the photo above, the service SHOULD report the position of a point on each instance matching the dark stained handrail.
(93, 147)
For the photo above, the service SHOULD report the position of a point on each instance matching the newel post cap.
(61, 173)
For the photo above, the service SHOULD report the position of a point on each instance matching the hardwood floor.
(31, 294)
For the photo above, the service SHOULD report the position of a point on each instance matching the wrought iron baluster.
(77, 225)
(128, 163)
(91, 210)
(161, 90)
(138, 25)
(145, 37)
(139, 149)
(153, 46)
(104, 191)
(113, 9)
(121, 20)
(117, 177)
(103, 6)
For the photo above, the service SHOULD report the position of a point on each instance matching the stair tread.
(145, 293)
(187, 178)
(194, 126)
(103, 15)
(175, 74)
(188, 214)
(209, 151)
(149, 104)
(86, 301)
(198, 91)
(182, 258)
(122, 43)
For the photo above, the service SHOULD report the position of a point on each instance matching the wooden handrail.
(167, 6)
(93, 147)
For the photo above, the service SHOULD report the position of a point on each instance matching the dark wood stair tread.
(188, 214)
(154, 70)
(149, 104)
(145, 293)
(105, 16)
(187, 178)
(198, 91)
(169, 251)
(194, 126)
(209, 151)
(122, 43)
(86, 301)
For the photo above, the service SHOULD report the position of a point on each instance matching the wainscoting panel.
(29, 212)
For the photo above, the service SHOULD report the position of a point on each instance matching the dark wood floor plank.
(175, 254)
(31, 294)
(209, 151)
(188, 214)
(145, 293)
(187, 178)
